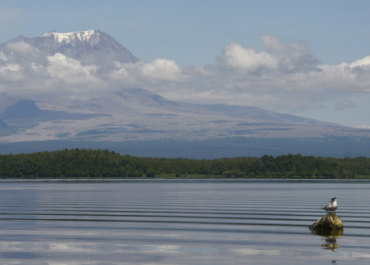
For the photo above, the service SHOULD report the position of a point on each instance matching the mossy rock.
(328, 223)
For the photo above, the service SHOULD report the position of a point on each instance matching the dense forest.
(82, 163)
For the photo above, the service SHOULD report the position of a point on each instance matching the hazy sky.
(308, 58)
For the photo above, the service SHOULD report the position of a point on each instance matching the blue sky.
(195, 33)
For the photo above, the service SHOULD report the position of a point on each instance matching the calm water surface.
(180, 222)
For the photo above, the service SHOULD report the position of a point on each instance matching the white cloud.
(26, 71)
(360, 63)
(245, 60)
(162, 69)
(293, 57)
(11, 72)
(20, 47)
(25, 54)
(159, 70)
(285, 76)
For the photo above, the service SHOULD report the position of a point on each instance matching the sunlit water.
(180, 222)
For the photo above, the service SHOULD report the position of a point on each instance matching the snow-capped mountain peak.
(90, 46)
(75, 36)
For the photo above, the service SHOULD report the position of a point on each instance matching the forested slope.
(81, 163)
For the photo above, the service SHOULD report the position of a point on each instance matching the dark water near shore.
(180, 222)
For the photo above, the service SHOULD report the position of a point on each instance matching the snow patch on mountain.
(88, 47)
(73, 36)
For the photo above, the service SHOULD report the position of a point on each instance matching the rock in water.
(328, 233)
(329, 221)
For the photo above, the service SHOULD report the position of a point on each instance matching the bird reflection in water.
(331, 243)
(330, 237)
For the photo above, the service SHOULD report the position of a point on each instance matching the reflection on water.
(180, 222)
(331, 243)
(330, 237)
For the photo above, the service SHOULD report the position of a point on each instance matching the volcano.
(90, 47)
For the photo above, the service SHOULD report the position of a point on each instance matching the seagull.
(332, 206)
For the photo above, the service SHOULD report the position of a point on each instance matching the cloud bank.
(284, 76)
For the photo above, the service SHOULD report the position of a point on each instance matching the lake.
(181, 222)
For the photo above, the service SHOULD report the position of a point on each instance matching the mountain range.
(137, 114)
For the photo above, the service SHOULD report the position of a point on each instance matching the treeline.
(82, 163)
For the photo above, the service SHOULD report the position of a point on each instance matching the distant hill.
(261, 114)
(23, 109)
(136, 115)
(209, 149)
(27, 111)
